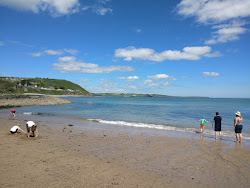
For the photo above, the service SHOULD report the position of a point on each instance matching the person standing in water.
(202, 126)
(238, 125)
(217, 124)
(12, 113)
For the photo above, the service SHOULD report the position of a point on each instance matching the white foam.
(27, 113)
(164, 127)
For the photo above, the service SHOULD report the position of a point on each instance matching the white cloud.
(54, 52)
(215, 54)
(227, 32)
(19, 43)
(188, 53)
(84, 80)
(217, 11)
(162, 76)
(99, 8)
(138, 30)
(150, 83)
(165, 84)
(108, 85)
(70, 64)
(147, 81)
(71, 51)
(1, 43)
(207, 74)
(102, 10)
(130, 78)
(214, 10)
(54, 7)
(37, 54)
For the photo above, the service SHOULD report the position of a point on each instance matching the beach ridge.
(15, 100)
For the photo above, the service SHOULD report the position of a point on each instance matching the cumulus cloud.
(71, 51)
(227, 32)
(130, 78)
(54, 52)
(218, 11)
(37, 54)
(214, 10)
(162, 76)
(208, 74)
(54, 7)
(151, 83)
(188, 53)
(70, 64)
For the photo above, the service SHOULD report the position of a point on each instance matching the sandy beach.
(72, 156)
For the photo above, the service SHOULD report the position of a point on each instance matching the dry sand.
(70, 156)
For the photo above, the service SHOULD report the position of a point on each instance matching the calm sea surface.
(177, 114)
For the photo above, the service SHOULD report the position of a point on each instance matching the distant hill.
(127, 95)
(137, 95)
(13, 85)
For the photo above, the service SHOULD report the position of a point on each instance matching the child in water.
(12, 113)
(202, 125)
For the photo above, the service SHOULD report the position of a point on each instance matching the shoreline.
(89, 156)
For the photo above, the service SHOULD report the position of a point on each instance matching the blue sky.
(179, 47)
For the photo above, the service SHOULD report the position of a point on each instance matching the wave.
(166, 127)
(38, 113)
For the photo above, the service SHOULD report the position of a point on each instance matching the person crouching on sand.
(238, 125)
(202, 126)
(15, 129)
(31, 129)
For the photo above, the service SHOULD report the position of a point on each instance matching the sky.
(174, 47)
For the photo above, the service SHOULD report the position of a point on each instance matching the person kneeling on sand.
(15, 129)
(31, 129)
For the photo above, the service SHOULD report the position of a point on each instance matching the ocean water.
(167, 114)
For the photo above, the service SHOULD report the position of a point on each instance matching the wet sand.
(72, 156)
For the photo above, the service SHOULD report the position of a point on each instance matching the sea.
(179, 114)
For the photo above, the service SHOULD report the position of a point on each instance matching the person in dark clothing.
(217, 124)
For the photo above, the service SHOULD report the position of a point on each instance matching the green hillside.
(13, 85)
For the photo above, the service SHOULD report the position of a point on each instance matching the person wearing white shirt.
(31, 129)
(15, 129)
